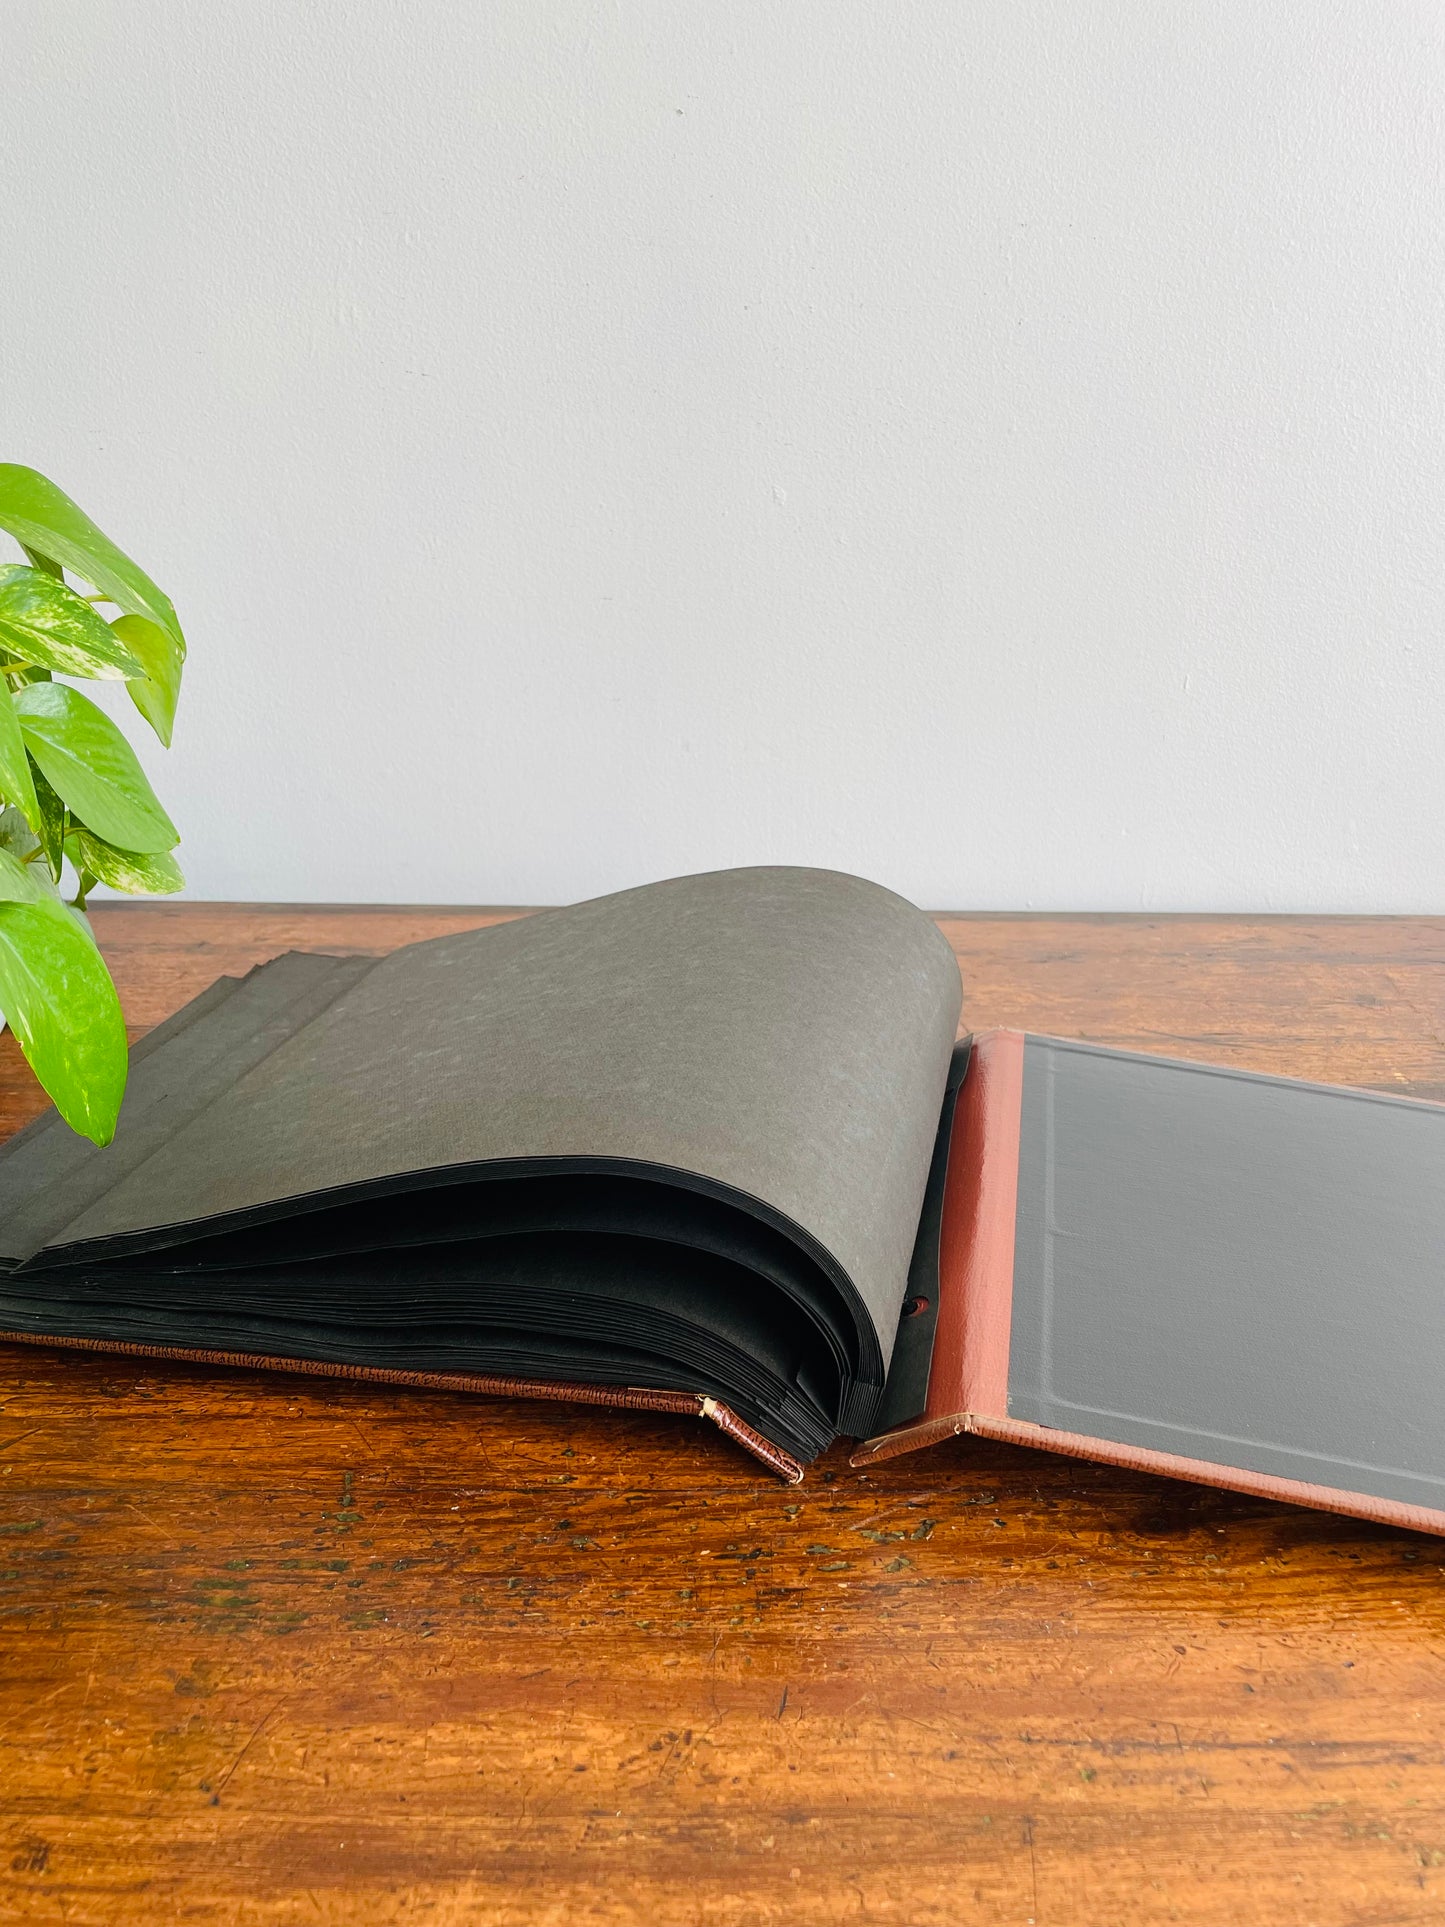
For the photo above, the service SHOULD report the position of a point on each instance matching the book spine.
(969, 1369)
(632, 1398)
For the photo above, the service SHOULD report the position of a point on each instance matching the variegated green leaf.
(154, 694)
(154, 875)
(17, 785)
(59, 1000)
(42, 517)
(41, 621)
(92, 768)
(52, 820)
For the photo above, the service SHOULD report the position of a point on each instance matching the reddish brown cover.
(633, 1398)
(968, 1378)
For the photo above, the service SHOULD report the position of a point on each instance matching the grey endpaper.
(784, 1033)
(49, 1175)
(1237, 1268)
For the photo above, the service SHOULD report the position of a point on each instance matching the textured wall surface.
(996, 448)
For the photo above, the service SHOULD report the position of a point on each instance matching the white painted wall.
(996, 448)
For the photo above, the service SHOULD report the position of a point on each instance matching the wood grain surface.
(280, 1650)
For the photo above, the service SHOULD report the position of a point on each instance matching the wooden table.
(278, 1650)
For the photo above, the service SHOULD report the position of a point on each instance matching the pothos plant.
(75, 797)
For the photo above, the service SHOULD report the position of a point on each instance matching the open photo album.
(715, 1147)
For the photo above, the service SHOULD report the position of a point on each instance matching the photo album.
(714, 1147)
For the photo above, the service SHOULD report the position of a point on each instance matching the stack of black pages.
(714, 1146)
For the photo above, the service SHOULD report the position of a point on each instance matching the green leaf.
(39, 561)
(156, 875)
(41, 516)
(16, 835)
(154, 694)
(58, 997)
(43, 621)
(92, 768)
(17, 785)
(51, 823)
(18, 881)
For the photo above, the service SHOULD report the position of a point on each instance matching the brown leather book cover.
(975, 1372)
(631, 1398)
